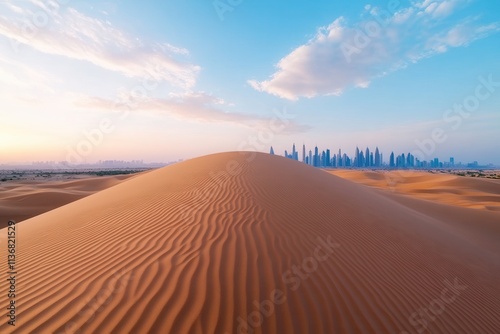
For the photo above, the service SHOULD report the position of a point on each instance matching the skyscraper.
(346, 161)
(357, 158)
(377, 157)
(316, 157)
(362, 159)
(271, 151)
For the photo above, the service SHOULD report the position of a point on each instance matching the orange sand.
(21, 200)
(197, 246)
(450, 189)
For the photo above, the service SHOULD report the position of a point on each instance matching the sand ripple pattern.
(194, 247)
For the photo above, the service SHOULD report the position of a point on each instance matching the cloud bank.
(343, 55)
(55, 29)
(192, 106)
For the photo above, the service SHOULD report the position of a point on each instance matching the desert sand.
(481, 193)
(21, 200)
(253, 243)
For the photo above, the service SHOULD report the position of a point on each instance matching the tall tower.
(377, 158)
(316, 157)
(271, 151)
(304, 153)
(367, 157)
(357, 162)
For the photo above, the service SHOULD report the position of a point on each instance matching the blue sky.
(163, 80)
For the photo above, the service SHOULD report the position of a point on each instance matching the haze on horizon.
(168, 81)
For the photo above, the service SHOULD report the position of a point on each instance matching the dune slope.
(479, 193)
(248, 243)
(21, 200)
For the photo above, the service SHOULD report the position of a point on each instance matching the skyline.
(161, 82)
(373, 159)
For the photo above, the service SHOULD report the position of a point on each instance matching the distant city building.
(316, 157)
(367, 159)
(295, 154)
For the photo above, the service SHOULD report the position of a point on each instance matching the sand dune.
(479, 193)
(21, 200)
(253, 243)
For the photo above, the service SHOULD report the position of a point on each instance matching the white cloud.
(445, 8)
(51, 29)
(431, 8)
(459, 35)
(16, 76)
(438, 8)
(191, 106)
(67, 32)
(14, 8)
(403, 15)
(343, 55)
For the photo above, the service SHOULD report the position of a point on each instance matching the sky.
(83, 81)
